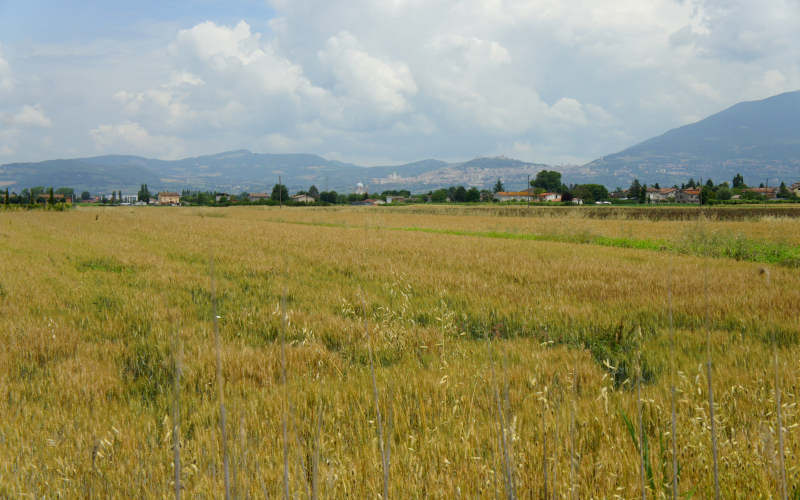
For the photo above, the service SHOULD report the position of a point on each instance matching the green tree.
(35, 192)
(85, 195)
(643, 194)
(66, 191)
(634, 190)
(279, 193)
(589, 193)
(439, 196)
(329, 196)
(498, 186)
(5, 201)
(724, 193)
(313, 192)
(460, 194)
(706, 195)
(783, 191)
(473, 195)
(113, 197)
(51, 195)
(738, 181)
(549, 180)
(144, 193)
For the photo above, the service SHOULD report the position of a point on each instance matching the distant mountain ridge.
(759, 139)
(242, 170)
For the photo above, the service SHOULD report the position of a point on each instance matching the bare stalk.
(572, 471)
(285, 399)
(315, 461)
(711, 389)
(384, 457)
(639, 410)
(176, 416)
(544, 444)
(507, 477)
(555, 450)
(672, 396)
(781, 459)
(221, 384)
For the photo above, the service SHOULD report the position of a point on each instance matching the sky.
(380, 81)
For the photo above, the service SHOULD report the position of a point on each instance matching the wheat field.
(364, 350)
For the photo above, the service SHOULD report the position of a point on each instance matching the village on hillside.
(546, 188)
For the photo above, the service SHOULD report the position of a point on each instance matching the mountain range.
(759, 139)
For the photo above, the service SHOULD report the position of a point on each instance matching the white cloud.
(407, 79)
(30, 116)
(6, 82)
(132, 138)
(359, 75)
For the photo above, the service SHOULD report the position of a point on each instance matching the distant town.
(546, 188)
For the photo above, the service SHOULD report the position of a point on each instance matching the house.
(767, 192)
(395, 199)
(656, 195)
(369, 202)
(688, 196)
(219, 196)
(129, 198)
(303, 198)
(526, 195)
(549, 197)
(169, 198)
(795, 188)
(45, 198)
(258, 197)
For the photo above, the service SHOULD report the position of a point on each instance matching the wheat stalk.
(221, 385)
(672, 396)
(710, 387)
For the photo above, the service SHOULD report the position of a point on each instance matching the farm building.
(169, 198)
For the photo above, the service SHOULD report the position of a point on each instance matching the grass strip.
(715, 245)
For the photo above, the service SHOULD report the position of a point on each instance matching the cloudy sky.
(380, 81)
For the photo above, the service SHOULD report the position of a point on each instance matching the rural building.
(45, 198)
(169, 198)
(258, 196)
(129, 198)
(219, 196)
(303, 198)
(768, 193)
(795, 188)
(368, 202)
(548, 197)
(395, 199)
(688, 196)
(656, 195)
(515, 195)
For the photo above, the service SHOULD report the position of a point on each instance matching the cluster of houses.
(654, 195)
(529, 195)
(692, 195)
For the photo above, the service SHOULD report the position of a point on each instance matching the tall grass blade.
(673, 418)
(221, 385)
(710, 387)
(284, 416)
(781, 458)
(639, 410)
(501, 427)
(176, 416)
(377, 404)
